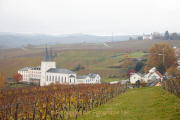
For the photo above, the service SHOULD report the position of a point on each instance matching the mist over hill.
(20, 40)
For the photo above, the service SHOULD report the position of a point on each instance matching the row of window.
(91, 80)
(26, 75)
(57, 78)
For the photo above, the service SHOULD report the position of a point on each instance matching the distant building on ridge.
(147, 36)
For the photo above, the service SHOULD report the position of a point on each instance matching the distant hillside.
(19, 40)
(3, 46)
(140, 44)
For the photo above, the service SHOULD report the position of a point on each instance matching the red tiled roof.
(177, 50)
(157, 72)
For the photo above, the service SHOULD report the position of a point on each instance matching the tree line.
(159, 36)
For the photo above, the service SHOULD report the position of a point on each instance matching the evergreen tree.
(161, 68)
(129, 68)
(166, 35)
(138, 66)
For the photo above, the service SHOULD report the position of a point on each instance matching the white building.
(48, 73)
(147, 36)
(89, 79)
(135, 77)
(153, 74)
(30, 73)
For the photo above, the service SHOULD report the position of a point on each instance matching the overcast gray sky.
(97, 17)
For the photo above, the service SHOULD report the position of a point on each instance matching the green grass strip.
(150, 103)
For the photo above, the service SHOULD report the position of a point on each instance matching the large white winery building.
(48, 73)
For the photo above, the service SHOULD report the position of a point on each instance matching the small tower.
(47, 63)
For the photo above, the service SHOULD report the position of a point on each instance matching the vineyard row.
(56, 102)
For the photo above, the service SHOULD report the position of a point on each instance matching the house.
(88, 79)
(30, 72)
(157, 75)
(147, 36)
(153, 74)
(177, 52)
(47, 73)
(174, 47)
(135, 77)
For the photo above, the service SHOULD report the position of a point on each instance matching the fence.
(172, 85)
(59, 105)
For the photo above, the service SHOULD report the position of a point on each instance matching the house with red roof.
(153, 74)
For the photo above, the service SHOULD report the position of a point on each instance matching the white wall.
(44, 67)
(134, 78)
(60, 77)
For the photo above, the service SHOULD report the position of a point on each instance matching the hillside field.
(94, 57)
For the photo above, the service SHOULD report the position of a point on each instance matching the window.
(62, 79)
(56, 78)
(65, 79)
(59, 78)
(47, 77)
(134, 77)
(70, 80)
(74, 80)
(53, 78)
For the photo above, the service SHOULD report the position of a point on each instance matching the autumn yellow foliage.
(161, 52)
(2, 80)
(172, 71)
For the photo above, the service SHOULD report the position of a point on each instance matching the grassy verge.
(138, 104)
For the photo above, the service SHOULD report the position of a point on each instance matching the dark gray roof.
(56, 70)
(81, 76)
(51, 55)
(46, 56)
(24, 69)
(153, 82)
(92, 75)
(36, 68)
(71, 76)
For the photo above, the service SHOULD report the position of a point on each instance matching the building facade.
(147, 37)
(47, 73)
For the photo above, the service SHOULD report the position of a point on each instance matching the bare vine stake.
(82, 104)
(16, 111)
(54, 107)
(92, 98)
(46, 108)
(69, 105)
(34, 110)
(87, 101)
(64, 105)
(77, 103)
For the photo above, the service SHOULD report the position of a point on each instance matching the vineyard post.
(46, 108)
(64, 105)
(34, 110)
(16, 112)
(87, 101)
(54, 107)
(69, 105)
(92, 98)
(83, 104)
(77, 103)
(6, 114)
(99, 96)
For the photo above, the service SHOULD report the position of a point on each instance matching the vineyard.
(172, 85)
(55, 101)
